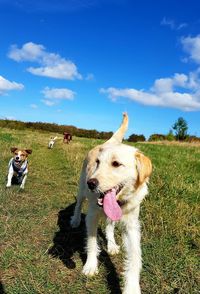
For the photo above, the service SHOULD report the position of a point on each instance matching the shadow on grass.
(67, 241)
(2, 290)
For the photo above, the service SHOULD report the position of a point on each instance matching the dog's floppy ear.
(13, 149)
(29, 151)
(144, 168)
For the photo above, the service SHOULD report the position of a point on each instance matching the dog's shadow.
(68, 241)
(2, 290)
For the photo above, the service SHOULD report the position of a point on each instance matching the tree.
(180, 127)
(136, 138)
(156, 137)
(170, 136)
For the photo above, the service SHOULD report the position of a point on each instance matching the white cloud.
(180, 91)
(191, 45)
(51, 64)
(63, 70)
(6, 85)
(53, 95)
(28, 52)
(89, 77)
(168, 22)
(34, 106)
(48, 102)
(172, 24)
(182, 25)
(58, 93)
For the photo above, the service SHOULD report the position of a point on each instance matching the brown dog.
(67, 137)
(18, 167)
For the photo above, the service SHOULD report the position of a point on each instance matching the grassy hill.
(41, 254)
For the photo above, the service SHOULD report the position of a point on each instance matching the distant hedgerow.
(52, 127)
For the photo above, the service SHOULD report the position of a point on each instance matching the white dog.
(114, 179)
(18, 167)
(52, 142)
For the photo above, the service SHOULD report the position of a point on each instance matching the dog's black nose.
(92, 183)
(17, 157)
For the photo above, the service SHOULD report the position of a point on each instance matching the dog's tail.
(118, 136)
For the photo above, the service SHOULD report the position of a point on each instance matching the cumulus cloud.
(6, 85)
(28, 52)
(54, 95)
(191, 45)
(51, 65)
(181, 92)
(63, 70)
(58, 93)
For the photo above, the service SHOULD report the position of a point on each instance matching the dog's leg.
(133, 264)
(112, 247)
(76, 218)
(23, 181)
(10, 175)
(91, 266)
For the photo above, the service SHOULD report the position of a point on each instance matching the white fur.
(11, 174)
(99, 165)
(51, 142)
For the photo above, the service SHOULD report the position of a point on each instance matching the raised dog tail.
(118, 136)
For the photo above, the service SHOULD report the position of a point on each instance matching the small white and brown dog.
(52, 142)
(114, 179)
(18, 167)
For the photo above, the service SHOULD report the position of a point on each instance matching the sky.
(85, 62)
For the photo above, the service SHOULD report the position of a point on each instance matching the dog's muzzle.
(92, 184)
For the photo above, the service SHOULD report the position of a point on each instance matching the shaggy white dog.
(114, 178)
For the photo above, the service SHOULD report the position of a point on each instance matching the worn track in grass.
(41, 254)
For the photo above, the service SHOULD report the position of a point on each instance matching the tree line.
(178, 132)
(55, 128)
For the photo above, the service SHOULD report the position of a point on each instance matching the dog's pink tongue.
(111, 207)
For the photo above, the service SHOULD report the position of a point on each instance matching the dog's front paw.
(90, 269)
(113, 249)
(8, 185)
(22, 187)
(75, 222)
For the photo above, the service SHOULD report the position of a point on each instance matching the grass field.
(41, 254)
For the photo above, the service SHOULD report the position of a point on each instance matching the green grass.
(41, 254)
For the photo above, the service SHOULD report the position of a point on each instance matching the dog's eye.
(116, 163)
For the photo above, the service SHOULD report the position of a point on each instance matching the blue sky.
(83, 63)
